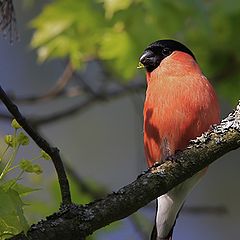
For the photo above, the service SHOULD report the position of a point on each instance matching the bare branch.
(93, 99)
(42, 143)
(57, 90)
(8, 19)
(199, 209)
(117, 91)
(77, 222)
(213, 210)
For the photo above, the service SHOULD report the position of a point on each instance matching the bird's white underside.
(170, 203)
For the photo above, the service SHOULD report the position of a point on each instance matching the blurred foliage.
(117, 31)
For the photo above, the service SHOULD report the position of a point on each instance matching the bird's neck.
(177, 65)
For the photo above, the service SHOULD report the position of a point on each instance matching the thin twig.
(213, 210)
(43, 144)
(197, 210)
(87, 102)
(56, 91)
(119, 91)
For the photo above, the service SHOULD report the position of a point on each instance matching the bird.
(180, 104)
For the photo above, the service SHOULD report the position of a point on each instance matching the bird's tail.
(169, 206)
(154, 234)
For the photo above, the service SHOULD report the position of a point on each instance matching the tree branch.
(43, 144)
(77, 222)
(56, 91)
(118, 91)
(8, 19)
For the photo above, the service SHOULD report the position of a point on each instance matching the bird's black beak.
(149, 60)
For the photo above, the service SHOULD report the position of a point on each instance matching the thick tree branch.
(77, 222)
(43, 144)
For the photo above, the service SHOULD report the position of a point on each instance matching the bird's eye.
(166, 51)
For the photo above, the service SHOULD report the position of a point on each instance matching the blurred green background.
(116, 32)
(100, 42)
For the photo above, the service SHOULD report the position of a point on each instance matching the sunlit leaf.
(118, 47)
(12, 220)
(68, 29)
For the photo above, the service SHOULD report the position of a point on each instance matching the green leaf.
(118, 48)
(15, 124)
(12, 219)
(10, 140)
(22, 139)
(37, 169)
(68, 29)
(45, 155)
(19, 188)
(27, 166)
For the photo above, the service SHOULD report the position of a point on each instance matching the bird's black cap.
(157, 51)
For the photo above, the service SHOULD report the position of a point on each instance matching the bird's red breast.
(180, 105)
